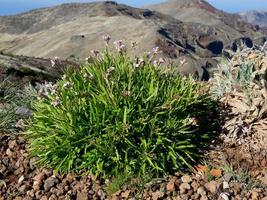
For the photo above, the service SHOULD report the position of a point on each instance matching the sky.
(8, 7)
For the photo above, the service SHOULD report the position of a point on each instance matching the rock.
(155, 195)
(185, 197)
(83, 195)
(224, 196)
(17, 198)
(264, 180)
(9, 153)
(12, 144)
(50, 182)
(195, 185)
(228, 176)
(186, 179)
(53, 197)
(23, 111)
(30, 193)
(38, 194)
(226, 185)
(39, 178)
(204, 198)
(70, 178)
(201, 191)
(236, 188)
(33, 162)
(22, 189)
(211, 186)
(21, 179)
(126, 194)
(254, 195)
(101, 194)
(170, 186)
(184, 187)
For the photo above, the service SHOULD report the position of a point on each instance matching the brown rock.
(48, 172)
(186, 179)
(17, 198)
(185, 196)
(83, 195)
(155, 196)
(53, 197)
(195, 185)
(201, 191)
(9, 153)
(114, 197)
(36, 186)
(70, 178)
(22, 189)
(39, 177)
(264, 180)
(12, 144)
(236, 188)
(211, 186)
(170, 186)
(254, 195)
(204, 198)
(184, 187)
(38, 194)
(30, 193)
(126, 194)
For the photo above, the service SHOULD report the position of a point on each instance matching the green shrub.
(11, 98)
(114, 115)
(228, 77)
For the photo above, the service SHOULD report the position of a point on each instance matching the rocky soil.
(21, 179)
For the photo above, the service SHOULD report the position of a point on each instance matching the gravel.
(20, 179)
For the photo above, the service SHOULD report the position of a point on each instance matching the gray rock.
(23, 111)
(50, 182)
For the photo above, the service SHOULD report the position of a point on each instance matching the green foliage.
(117, 183)
(227, 77)
(12, 97)
(112, 116)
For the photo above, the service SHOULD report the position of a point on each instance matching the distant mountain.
(255, 17)
(182, 29)
(226, 27)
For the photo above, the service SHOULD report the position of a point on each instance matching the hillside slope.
(255, 17)
(72, 30)
(228, 26)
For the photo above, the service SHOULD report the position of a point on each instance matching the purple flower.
(161, 61)
(139, 62)
(95, 52)
(67, 85)
(106, 39)
(155, 50)
(127, 93)
(55, 61)
(120, 47)
(133, 44)
(56, 102)
(85, 76)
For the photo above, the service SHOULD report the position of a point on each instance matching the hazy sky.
(15, 6)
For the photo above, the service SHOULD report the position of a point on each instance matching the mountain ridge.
(73, 29)
(256, 17)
